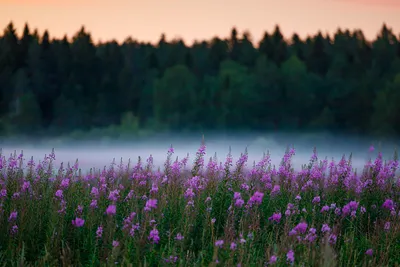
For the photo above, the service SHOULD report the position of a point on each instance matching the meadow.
(212, 212)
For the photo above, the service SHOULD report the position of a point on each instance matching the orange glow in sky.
(191, 19)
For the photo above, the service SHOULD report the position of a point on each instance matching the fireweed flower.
(256, 198)
(3, 193)
(13, 216)
(219, 243)
(154, 188)
(111, 210)
(59, 193)
(338, 211)
(129, 196)
(115, 243)
(154, 237)
(189, 193)
(172, 259)
(79, 209)
(99, 232)
(388, 204)
(275, 190)
(276, 217)
(332, 239)
(26, 186)
(369, 252)
(245, 187)
(273, 259)
(325, 228)
(94, 192)
(65, 183)
(312, 235)
(301, 228)
(150, 204)
(233, 246)
(325, 208)
(363, 210)
(78, 222)
(63, 205)
(128, 220)
(93, 204)
(14, 229)
(179, 237)
(290, 257)
(387, 226)
(239, 202)
(114, 195)
(316, 200)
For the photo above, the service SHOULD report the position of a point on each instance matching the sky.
(146, 20)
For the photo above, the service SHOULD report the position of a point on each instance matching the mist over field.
(97, 154)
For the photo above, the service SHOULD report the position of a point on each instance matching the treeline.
(335, 83)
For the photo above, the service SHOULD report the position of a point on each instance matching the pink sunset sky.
(193, 19)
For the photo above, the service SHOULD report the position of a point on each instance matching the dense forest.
(340, 83)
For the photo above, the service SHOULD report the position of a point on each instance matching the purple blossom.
(387, 226)
(115, 243)
(332, 239)
(94, 192)
(275, 190)
(273, 259)
(179, 237)
(233, 246)
(290, 256)
(13, 216)
(325, 208)
(325, 228)
(78, 222)
(65, 183)
(150, 204)
(256, 198)
(114, 195)
(14, 229)
(111, 210)
(301, 228)
(99, 231)
(25, 186)
(219, 243)
(388, 204)
(59, 193)
(93, 204)
(239, 202)
(369, 252)
(189, 193)
(237, 195)
(3, 193)
(371, 148)
(276, 217)
(154, 237)
(154, 188)
(363, 210)
(316, 200)
(353, 205)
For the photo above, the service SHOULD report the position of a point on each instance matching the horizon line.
(69, 37)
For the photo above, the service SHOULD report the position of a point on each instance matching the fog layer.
(100, 154)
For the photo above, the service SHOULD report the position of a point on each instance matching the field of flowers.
(212, 213)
